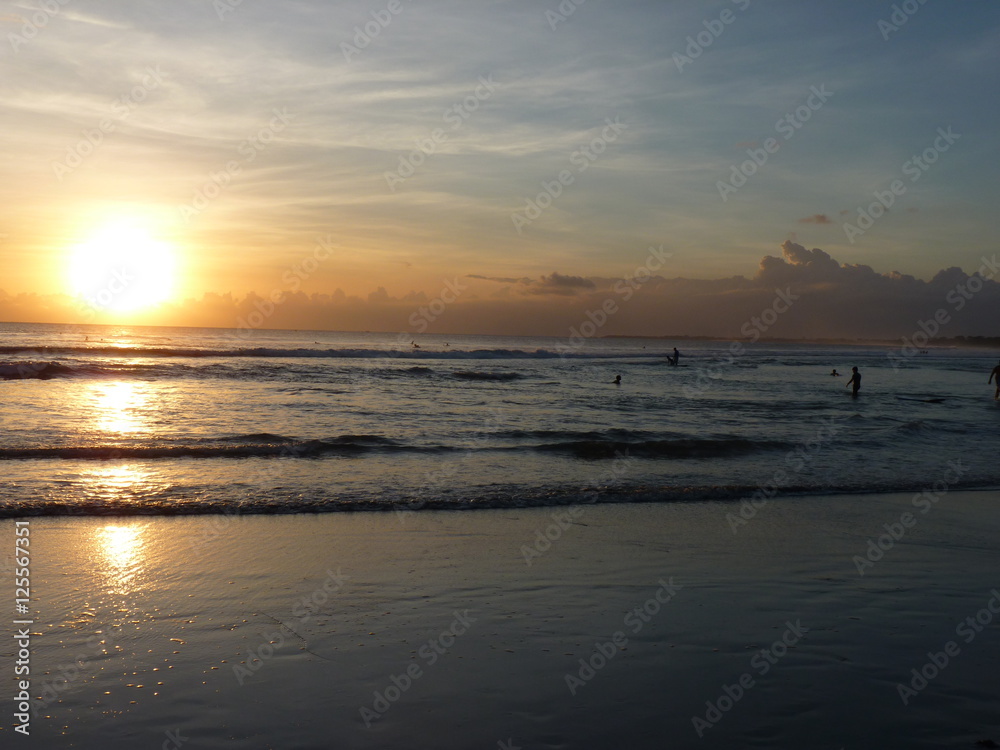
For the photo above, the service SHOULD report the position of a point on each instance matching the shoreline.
(683, 496)
(614, 625)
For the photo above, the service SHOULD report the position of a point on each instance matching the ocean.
(112, 420)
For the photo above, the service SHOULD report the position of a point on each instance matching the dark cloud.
(816, 219)
(499, 279)
(554, 283)
(557, 283)
(799, 266)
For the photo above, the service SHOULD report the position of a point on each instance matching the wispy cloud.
(816, 219)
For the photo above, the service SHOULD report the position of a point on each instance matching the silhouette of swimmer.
(618, 380)
(996, 374)
(835, 373)
(855, 381)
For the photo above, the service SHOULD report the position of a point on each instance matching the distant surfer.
(835, 374)
(618, 380)
(677, 356)
(855, 382)
(995, 374)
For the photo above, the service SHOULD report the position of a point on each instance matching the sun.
(122, 268)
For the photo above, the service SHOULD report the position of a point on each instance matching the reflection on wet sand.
(119, 554)
(120, 545)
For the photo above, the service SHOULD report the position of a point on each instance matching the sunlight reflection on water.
(120, 407)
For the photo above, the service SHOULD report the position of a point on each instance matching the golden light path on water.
(120, 407)
(115, 414)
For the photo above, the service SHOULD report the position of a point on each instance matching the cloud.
(556, 283)
(798, 265)
(500, 279)
(828, 300)
(816, 219)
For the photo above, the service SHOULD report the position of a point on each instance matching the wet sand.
(633, 626)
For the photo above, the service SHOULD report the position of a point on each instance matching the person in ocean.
(677, 356)
(618, 380)
(854, 381)
(835, 373)
(995, 374)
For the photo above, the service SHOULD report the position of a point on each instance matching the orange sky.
(266, 151)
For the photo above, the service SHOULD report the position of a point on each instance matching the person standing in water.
(855, 381)
(996, 374)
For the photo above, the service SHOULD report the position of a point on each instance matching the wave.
(208, 501)
(586, 446)
(34, 370)
(278, 503)
(495, 376)
(256, 437)
(691, 448)
(307, 353)
(614, 433)
(29, 370)
(262, 445)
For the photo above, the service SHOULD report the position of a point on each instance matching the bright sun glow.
(122, 268)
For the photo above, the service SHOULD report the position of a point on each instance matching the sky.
(502, 166)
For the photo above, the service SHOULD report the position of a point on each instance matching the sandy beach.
(594, 626)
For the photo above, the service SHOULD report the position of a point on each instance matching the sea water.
(128, 420)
